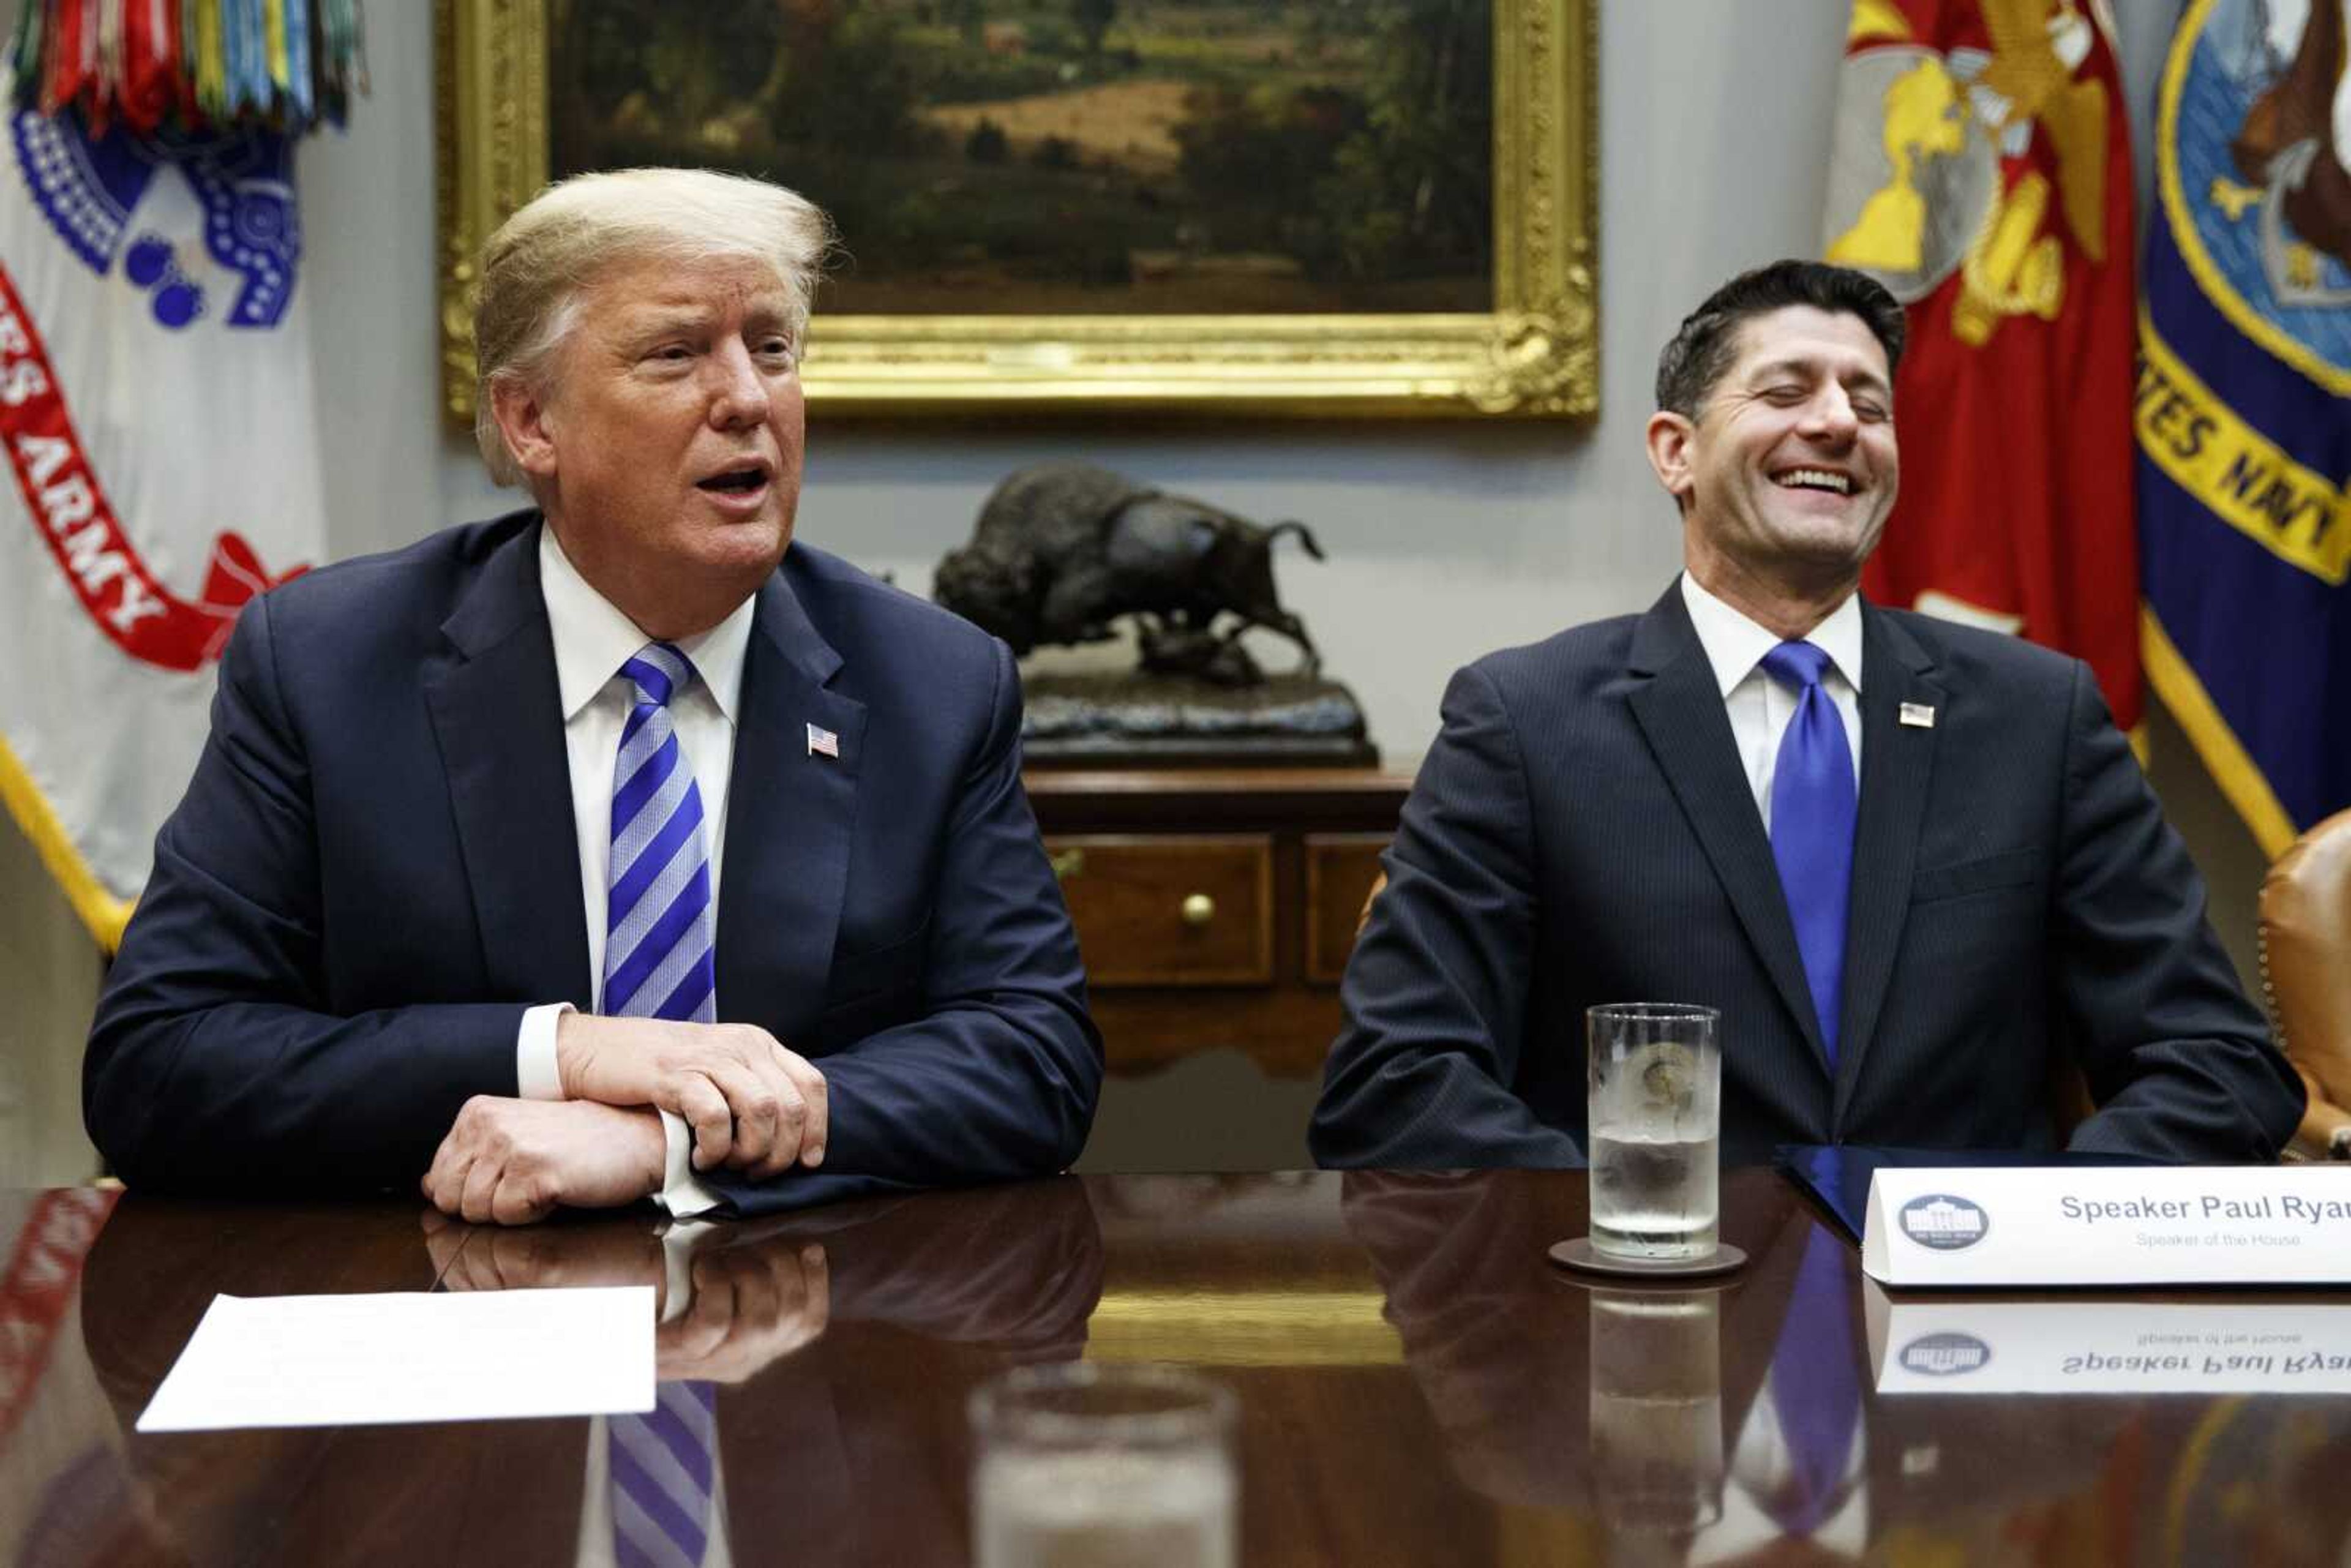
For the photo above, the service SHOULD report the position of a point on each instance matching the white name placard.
(1954, 1345)
(2101, 1224)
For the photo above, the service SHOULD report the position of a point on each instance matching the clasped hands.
(751, 1104)
(749, 1306)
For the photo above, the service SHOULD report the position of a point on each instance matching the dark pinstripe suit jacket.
(375, 871)
(1582, 833)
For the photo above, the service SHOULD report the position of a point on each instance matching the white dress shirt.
(1760, 707)
(1761, 1465)
(592, 641)
(595, 1545)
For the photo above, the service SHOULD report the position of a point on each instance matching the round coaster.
(1580, 1255)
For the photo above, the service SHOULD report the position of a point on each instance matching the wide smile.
(1819, 480)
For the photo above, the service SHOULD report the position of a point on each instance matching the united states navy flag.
(2244, 434)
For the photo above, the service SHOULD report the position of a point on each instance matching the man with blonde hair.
(619, 847)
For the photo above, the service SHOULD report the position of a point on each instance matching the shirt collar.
(1734, 645)
(593, 639)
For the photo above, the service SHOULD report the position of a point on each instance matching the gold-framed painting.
(1314, 207)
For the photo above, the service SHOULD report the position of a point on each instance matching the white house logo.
(1945, 1354)
(1943, 1222)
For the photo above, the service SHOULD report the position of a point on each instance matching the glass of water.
(1107, 1466)
(1656, 1410)
(1654, 1118)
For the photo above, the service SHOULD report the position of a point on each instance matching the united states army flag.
(155, 400)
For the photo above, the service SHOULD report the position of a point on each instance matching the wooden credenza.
(1217, 907)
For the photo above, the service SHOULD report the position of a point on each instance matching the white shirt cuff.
(678, 1239)
(684, 1196)
(537, 1076)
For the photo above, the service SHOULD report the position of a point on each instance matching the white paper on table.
(322, 1361)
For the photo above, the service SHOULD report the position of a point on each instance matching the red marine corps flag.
(1982, 173)
(155, 400)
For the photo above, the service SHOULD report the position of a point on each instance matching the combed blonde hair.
(536, 265)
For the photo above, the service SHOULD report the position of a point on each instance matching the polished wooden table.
(1417, 1385)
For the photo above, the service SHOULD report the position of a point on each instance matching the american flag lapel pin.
(822, 742)
(1917, 716)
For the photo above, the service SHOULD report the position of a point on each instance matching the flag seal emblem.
(2256, 192)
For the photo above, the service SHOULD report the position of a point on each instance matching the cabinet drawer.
(1170, 910)
(1340, 871)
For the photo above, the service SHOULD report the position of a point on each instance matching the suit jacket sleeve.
(2178, 1061)
(1435, 993)
(213, 1061)
(999, 1079)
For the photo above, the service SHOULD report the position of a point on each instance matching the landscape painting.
(1072, 157)
(1311, 208)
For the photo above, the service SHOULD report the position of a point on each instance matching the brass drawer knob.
(1068, 863)
(1199, 909)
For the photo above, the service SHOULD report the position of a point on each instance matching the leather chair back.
(2305, 939)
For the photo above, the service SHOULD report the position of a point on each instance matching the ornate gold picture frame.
(1534, 354)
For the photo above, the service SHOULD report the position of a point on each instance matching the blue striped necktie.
(664, 1477)
(658, 963)
(1813, 811)
(658, 931)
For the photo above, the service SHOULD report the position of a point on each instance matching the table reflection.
(2284, 1342)
(1514, 1356)
(1417, 1384)
(1657, 1411)
(1712, 1426)
(832, 1351)
(63, 1479)
(732, 1300)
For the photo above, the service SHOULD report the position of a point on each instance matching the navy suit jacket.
(1583, 832)
(374, 873)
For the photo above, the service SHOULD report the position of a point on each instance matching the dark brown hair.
(1706, 343)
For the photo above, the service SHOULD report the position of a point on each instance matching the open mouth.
(740, 481)
(1825, 479)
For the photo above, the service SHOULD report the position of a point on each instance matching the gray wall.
(1446, 539)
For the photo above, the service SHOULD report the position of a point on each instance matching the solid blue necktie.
(1814, 1389)
(659, 932)
(664, 1477)
(1813, 811)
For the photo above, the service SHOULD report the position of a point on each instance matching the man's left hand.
(515, 1161)
(752, 1306)
(544, 1256)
